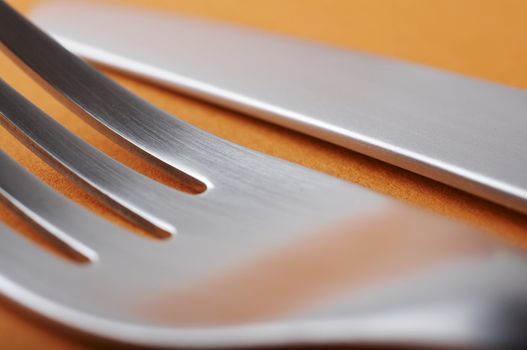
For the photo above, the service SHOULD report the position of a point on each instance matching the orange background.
(480, 38)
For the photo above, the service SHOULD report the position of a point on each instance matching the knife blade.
(463, 132)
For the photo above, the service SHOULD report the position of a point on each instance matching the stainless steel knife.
(463, 132)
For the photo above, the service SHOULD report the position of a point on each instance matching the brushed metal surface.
(271, 253)
(133, 290)
(467, 133)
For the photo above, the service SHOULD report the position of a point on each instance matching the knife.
(463, 132)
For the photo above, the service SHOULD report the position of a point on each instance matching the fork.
(265, 254)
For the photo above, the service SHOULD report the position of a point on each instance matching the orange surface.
(480, 38)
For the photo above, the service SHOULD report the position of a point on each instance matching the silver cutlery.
(268, 252)
(466, 133)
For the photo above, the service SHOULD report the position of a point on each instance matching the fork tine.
(110, 108)
(79, 230)
(14, 249)
(128, 192)
(36, 279)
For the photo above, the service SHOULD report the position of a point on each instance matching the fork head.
(433, 281)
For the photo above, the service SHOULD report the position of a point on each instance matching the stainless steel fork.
(269, 253)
